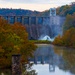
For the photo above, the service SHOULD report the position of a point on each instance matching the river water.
(52, 60)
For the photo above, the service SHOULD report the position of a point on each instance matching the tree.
(68, 39)
(58, 40)
(14, 40)
(69, 23)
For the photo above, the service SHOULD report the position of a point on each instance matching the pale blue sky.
(39, 5)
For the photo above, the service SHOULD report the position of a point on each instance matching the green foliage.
(69, 57)
(65, 10)
(58, 41)
(69, 23)
(14, 40)
(41, 41)
(68, 39)
(5, 71)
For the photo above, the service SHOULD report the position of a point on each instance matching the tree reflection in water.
(68, 56)
(5, 72)
(54, 56)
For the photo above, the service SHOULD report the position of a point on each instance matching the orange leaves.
(20, 30)
(58, 40)
(70, 22)
(68, 39)
(13, 40)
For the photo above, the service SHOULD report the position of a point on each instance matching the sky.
(38, 5)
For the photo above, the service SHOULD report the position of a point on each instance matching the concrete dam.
(39, 26)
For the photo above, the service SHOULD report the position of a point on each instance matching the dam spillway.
(38, 26)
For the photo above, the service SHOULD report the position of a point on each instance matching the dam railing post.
(16, 64)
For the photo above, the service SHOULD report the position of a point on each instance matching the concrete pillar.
(30, 27)
(37, 27)
(23, 20)
(15, 17)
(36, 20)
(29, 20)
(16, 65)
(43, 20)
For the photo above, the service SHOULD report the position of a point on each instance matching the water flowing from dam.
(46, 37)
(51, 28)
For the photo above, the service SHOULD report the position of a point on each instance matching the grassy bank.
(41, 41)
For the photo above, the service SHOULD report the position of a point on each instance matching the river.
(52, 60)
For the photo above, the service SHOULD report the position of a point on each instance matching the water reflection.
(54, 59)
(51, 60)
(68, 55)
(5, 72)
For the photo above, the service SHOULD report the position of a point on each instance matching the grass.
(40, 41)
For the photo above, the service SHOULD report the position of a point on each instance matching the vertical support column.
(37, 27)
(13, 20)
(29, 20)
(36, 20)
(16, 65)
(43, 20)
(30, 27)
(15, 17)
(23, 20)
(8, 19)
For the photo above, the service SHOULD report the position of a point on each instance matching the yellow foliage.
(68, 39)
(14, 40)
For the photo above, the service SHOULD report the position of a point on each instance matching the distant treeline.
(66, 9)
(62, 11)
(6, 11)
(68, 37)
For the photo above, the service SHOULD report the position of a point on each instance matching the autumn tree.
(14, 40)
(68, 39)
(69, 23)
(58, 40)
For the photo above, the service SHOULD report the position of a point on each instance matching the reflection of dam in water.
(45, 55)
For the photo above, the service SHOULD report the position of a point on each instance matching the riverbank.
(46, 43)
(41, 41)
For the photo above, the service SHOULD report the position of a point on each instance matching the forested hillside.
(68, 37)
(62, 11)
(6, 11)
(66, 9)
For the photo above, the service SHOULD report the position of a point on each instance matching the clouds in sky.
(39, 5)
(40, 1)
